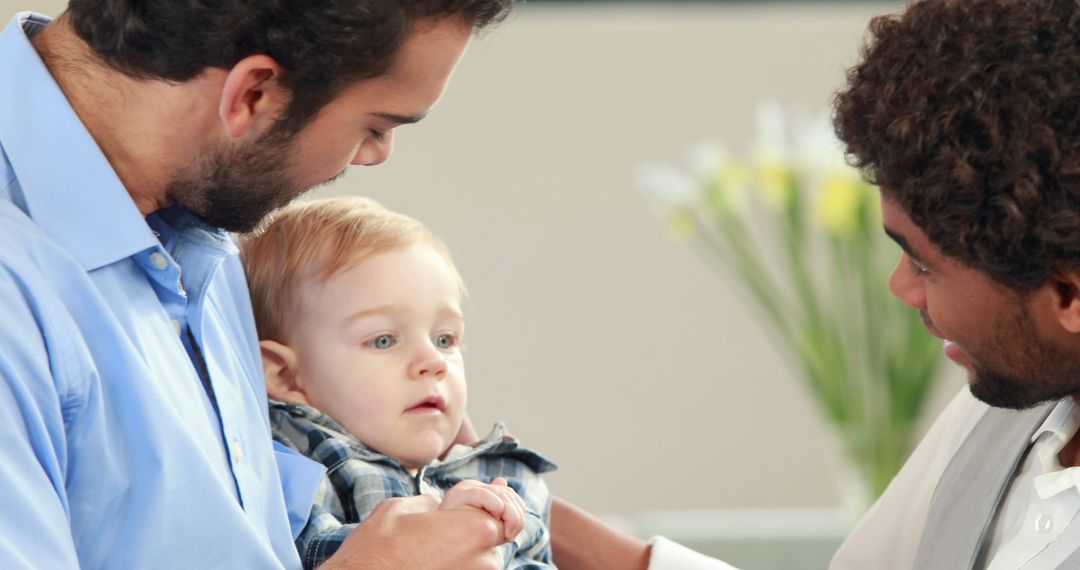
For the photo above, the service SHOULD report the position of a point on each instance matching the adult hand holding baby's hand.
(496, 498)
(412, 532)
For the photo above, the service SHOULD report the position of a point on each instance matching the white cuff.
(667, 555)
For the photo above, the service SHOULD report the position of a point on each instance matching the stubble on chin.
(1002, 391)
(1036, 372)
(234, 190)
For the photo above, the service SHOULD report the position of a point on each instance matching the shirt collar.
(182, 222)
(498, 441)
(1061, 424)
(70, 189)
(1051, 437)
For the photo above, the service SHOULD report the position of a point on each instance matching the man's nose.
(374, 151)
(906, 286)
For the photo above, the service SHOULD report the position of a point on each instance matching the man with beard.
(966, 113)
(133, 135)
(133, 426)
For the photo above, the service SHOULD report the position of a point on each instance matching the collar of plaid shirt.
(497, 442)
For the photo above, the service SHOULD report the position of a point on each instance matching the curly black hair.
(967, 114)
(323, 45)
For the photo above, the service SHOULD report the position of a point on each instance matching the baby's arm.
(496, 498)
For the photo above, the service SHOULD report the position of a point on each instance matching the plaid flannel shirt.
(359, 478)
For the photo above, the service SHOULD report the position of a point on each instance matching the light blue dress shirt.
(112, 455)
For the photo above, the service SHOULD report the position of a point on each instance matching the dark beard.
(1049, 373)
(1006, 391)
(235, 189)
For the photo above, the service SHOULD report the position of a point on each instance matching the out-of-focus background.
(601, 341)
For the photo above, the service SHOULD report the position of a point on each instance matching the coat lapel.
(970, 490)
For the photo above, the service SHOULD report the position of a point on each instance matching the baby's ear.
(279, 369)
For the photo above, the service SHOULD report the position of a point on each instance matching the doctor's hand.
(496, 499)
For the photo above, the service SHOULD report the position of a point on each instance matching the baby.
(360, 326)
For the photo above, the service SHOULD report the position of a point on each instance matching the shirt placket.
(182, 293)
(201, 262)
(164, 273)
(1045, 521)
(1054, 500)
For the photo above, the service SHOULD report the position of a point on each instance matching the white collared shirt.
(1042, 501)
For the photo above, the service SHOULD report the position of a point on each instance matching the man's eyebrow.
(400, 119)
(902, 242)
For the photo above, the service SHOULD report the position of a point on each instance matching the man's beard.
(234, 189)
(1046, 372)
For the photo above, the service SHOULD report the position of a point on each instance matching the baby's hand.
(497, 498)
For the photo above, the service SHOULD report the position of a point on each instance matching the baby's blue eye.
(445, 341)
(382, 342)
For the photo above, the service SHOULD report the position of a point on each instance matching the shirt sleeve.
(300, 481)
(668, 555)
(887, 537)
(324, 532)
(35, 529)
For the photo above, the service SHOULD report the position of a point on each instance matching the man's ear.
(279, 369)
(252, 96)
(1065, 291)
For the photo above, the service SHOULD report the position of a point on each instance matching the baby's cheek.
(369, 408)
(460, 392)
(355, 406)
(367, 422)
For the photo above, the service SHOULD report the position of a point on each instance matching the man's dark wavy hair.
(323, 45)
(967, 114)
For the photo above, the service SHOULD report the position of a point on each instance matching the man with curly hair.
(966, 113)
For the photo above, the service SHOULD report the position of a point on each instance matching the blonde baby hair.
(309, 241)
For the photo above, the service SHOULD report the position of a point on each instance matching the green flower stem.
(724, 238)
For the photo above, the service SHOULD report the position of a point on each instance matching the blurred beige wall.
(602, 343)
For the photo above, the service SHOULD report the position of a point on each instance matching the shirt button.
(237, 451)
(176, 325)
(158, 260)
(1044, 523)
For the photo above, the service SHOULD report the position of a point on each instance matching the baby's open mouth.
(431, 404)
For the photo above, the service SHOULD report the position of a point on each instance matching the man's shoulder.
(36, 268)
(37, 331)
(27, 255)
(21, 238)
